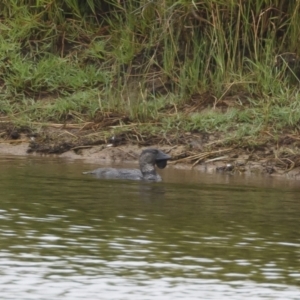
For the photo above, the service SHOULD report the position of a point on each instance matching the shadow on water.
(68, 236)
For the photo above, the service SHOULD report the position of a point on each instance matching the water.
(194, 236)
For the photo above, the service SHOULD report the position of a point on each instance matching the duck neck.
(148, 171)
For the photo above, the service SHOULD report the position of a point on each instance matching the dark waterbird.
(148, 159)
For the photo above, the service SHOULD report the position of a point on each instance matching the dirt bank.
(188, 150)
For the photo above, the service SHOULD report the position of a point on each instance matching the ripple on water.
(66, 286)
(65, 237)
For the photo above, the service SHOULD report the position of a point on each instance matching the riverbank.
(203, 152)
(132, 74)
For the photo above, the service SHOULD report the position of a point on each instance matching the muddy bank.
(197, 151)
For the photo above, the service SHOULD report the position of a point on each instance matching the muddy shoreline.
(117, 149)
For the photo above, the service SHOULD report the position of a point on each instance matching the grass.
(180, 66)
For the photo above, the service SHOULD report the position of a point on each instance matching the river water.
(64, 235)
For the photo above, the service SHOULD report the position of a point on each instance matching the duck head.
(154, 157)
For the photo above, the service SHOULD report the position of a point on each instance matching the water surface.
(193, 236)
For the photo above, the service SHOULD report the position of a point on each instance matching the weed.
(72, 60)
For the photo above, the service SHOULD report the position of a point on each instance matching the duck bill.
(162, 156)
(162, 160)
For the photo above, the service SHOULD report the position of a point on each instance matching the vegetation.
(169, 66)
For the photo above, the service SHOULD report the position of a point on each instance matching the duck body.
(111, 173)
(148, 159)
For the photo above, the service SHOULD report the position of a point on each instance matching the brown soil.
(188, 150)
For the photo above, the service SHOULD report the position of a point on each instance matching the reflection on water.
(68, 236)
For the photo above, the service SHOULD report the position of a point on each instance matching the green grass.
(71, 61)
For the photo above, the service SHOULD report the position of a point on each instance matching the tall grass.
(144, 56)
